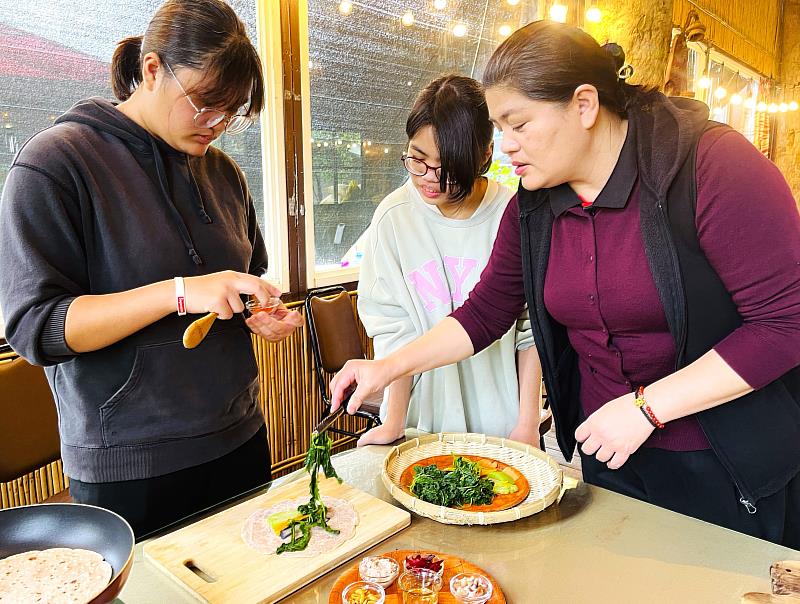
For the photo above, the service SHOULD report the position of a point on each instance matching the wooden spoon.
(198, 330)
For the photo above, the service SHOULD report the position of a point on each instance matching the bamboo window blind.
(746, 30)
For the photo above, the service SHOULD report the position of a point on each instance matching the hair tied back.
(624, 72)
(617, 55)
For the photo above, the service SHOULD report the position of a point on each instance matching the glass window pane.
(366, 68)
(57, 52)
(729, 89)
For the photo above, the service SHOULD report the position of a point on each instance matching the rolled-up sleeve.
(42, 263)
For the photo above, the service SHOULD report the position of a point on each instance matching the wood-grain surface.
(236, 573)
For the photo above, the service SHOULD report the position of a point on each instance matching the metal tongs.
(329, 420)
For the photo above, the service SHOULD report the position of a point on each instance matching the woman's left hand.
(275, 326)
(614, 431)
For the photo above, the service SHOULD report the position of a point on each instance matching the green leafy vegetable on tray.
(461, 486)
(314, 512)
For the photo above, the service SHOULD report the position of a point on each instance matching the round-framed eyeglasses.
(417, 167)
(208, 117)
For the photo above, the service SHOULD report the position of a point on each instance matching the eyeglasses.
(209, 118)
(417, 167)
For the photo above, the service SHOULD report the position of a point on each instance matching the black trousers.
(153, 503)
(694, 483)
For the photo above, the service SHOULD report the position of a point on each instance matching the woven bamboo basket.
(543, 473)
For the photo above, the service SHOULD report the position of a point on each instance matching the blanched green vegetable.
(462, 486)
(318, 458)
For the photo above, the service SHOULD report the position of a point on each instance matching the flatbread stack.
(53, 576)
(342, 516)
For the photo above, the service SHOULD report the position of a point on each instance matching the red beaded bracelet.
(646, 410)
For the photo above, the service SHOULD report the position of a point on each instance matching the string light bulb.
(762, 107)
(783, 107)
(772, 108)
(705, 82)
(594, 15)
(793, 106)
(558, 12)
(459, 30)
(440, 4)
(736, 99)
(720, 93)
(345, 7)
(512, 2)
(407, 19)
(505, 30)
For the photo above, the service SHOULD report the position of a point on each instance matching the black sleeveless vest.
(757, 436)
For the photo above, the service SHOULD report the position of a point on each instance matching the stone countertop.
(592, 546)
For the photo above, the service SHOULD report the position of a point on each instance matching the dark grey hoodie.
(95, 205)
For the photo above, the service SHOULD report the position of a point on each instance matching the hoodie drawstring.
(176, 216)
(198, 196)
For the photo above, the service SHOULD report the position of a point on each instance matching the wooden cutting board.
(228, 570)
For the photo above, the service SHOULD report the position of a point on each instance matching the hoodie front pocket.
(173, 393)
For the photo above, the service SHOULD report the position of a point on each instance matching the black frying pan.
(37, 527)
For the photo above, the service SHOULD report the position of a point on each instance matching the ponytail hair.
(547, 61)
(628, 95)
(196, 34)
(126, 67)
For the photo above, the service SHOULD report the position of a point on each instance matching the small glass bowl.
(438, 573)
(419, 578)
(367, 571)
(471, 588)
(254, 306)
(370, 589)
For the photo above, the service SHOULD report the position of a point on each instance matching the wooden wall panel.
(34, 487)
(746, 30)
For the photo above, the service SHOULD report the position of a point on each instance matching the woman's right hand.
(370, 377)
(221, 292)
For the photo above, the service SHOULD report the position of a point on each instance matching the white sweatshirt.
(418, 267)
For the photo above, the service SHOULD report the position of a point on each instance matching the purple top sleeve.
(749, 229)
(495, 303)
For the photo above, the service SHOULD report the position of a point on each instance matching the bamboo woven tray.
(543, 473)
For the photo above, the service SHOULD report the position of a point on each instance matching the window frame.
(273, 149)
(315, 277)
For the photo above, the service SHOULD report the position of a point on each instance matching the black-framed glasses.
(208, 117)
(417, 167)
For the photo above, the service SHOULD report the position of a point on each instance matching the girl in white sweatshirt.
(426, 247)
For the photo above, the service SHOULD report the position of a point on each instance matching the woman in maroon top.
(659, 254)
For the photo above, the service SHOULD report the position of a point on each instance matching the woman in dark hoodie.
(660, 257)
(117, 226)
